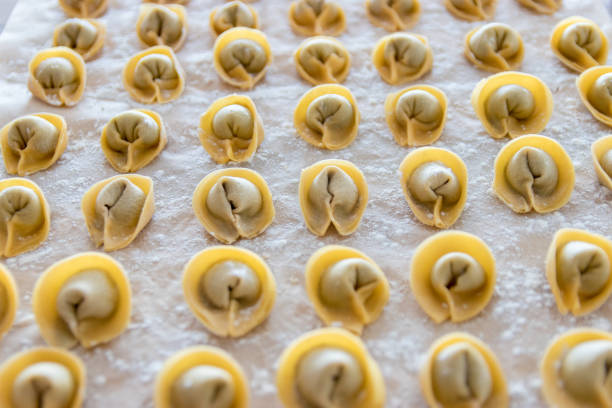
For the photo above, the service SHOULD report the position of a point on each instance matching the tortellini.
(542, 6)
(9, 300)
(495, 47)
(471, 10)
(201, 376)
(24, 216)
(229, 289)
(579, 43)
(512, 104)
(402, 57)
(601, 151)
(333, 192)
(346, 287)
(182, 2)
(452, 276)
(117, 209)
(233, 14)
(42, 377)
(575, 369)
(416, 115)
(316, 17)
(327, 117)
(133, 139)
(594, 86)
(533, 172)
(84, 8)
(393, 15)
(85, 36)
(329, 368)
(84, 299)
(322, 60)
(231, 129)
(33, 142)
(579, 271)
(154, 76)
(435, 185)
(57, 76)
(233, 203)
(461, 370)
(241, 56)
(162, 25)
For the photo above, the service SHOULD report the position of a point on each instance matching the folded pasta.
(85, 36)
(233, 14)
(579, 43)
(495, 47)
(84, 8)
(162, 25)
(402, 57)
(394, 15)
(316, 17)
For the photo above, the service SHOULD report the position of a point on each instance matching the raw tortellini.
(241, 56)
(154, 76)
(579, 271)
(452, 276)
(162, 25)
(346, 287)
(402, 57)
(201, 376)
(494, 47)
(575, 369)
(535, 173)
(329, 368)
(594, 86)
(579, 43)
(57, 76)
(393, 15)
(416, 115)
(229, 289)
(84, 8)
(333, 192)
(512, 104)
(33, 142)
(233, 203)
(133, 139)
(316, 17)
(471, 10)
(42, 378)
(117, 209)
(461, 370)
(84, 299)
(322, 60)
(85, 36)
(24, 216)
(435, 185)
(601, 151)
(233, 14)
(9, 300)
(542, 6)
(327, 117)
(231, 129)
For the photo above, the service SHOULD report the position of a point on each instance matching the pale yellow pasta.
(471, 10)
(494, 47)
(402, 57)
(316, 17)
(233, 14)
(579, 43)
(85, 36)
(393, 15)
(84, 8)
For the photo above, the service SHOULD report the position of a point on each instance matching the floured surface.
(518, 323)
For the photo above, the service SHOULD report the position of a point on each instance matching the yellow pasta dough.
(24, 216)
(542, 6)
(83, 299)
(435, 185)
(316, 17)
(533, 172)
(402, 57)
(393, 15)
(233, 14)
(46, 374)
(162, 25)
(229, 289)
(241, 56)
(452, 276)
(574, 369)
(333, 192)
(471, 10)
(233, 203)
(154, 76)
(416, 115)
(57, 76)
(593, 85)
(201, 373)
(327, 117)
(322, 60)
(85, 36)
(231, 129)
(84, 8)
(117, 209)
(9, 300)
(579, 43)
(601, 151)
(512, 104)
(133, 139)
(462, 371)
(329, 368)
(346, 287)
(33, 142)
(494, 47)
